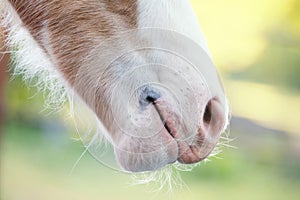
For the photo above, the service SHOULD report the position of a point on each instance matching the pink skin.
(205, 140)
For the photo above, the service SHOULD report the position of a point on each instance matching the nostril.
(214, 116)
(148, 95)
(150, 99)
(207, 113)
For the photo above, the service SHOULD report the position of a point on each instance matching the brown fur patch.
(72, 27)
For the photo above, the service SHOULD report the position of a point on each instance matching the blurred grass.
(35, 167)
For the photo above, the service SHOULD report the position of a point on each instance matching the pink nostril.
(214, 117)
(207, 114)
(213, 121)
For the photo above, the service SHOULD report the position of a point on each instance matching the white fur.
(29, 59)
(171, 15)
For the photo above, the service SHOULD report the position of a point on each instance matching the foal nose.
(210, 120)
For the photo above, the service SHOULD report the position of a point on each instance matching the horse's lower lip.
(185, 152)
(172, 146)
(190, 156)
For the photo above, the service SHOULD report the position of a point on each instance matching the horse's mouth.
(188, 152)
(167, 125)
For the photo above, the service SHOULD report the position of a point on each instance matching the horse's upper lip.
(166, 122)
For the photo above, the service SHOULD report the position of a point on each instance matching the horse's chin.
(147, 154)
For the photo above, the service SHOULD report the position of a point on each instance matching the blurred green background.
(256, 46)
